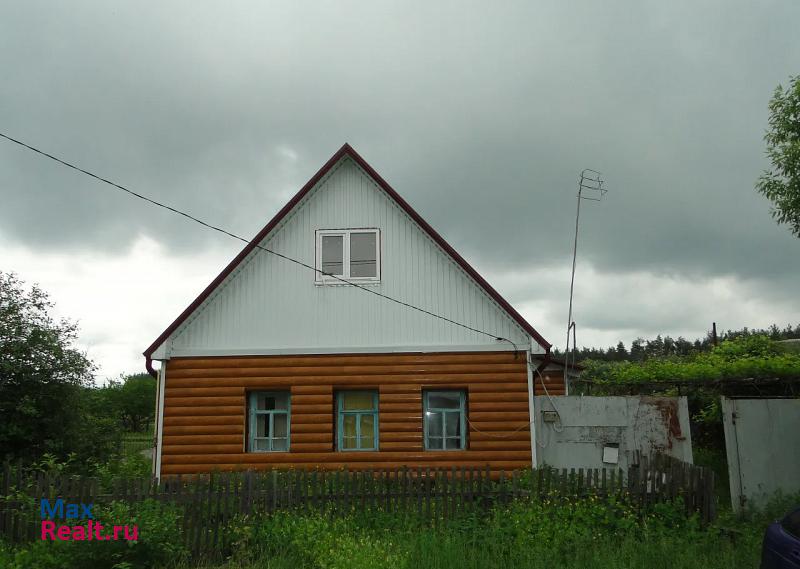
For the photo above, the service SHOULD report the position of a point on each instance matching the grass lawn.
(430, 551)
(579, 535)
(571, 532)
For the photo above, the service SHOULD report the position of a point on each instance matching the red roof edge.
(347, 150)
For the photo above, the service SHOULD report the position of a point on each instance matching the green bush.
(558, 533)
(159, 542)
(313, 540)
(748, 356)
(133, 466)
(6, 554)
(569, 533)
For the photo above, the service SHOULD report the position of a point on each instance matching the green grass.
(431, 551)
(577, 534)
(717, 461)
(569, 533)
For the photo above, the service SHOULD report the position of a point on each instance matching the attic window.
(349, 254)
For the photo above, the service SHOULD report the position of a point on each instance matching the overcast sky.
(480, 114)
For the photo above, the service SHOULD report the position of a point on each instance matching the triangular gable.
(346, 151)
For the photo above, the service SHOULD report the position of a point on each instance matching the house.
(348, 333)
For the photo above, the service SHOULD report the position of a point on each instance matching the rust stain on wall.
(668, 409)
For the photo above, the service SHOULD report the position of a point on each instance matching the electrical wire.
(552, 403)
(244, 240)
(529, 423)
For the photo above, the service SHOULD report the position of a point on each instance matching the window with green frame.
(357, 414)
(445, 420)
(268, 424)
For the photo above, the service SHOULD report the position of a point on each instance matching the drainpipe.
(159, 427)
(148, 365)
(159, 412)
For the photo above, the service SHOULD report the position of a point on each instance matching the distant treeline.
(664, 346)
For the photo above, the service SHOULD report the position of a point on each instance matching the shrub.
(554, 532)
(159, 542)
(133, 466)
(316, 541)
(747, 356)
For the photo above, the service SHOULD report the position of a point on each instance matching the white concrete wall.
(762, 440)
(588, 424)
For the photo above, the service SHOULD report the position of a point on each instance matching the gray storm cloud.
(481, 115)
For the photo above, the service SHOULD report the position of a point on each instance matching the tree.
(131, 401)
(43, 379)
(669, 346)
(655, 348)
(781, 185)
(637, 353)
(683, 347)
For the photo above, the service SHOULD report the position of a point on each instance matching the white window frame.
(462, 419)
(253, 414)
(322, 279)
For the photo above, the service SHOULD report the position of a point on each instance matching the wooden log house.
(290, 360)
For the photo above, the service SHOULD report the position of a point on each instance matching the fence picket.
(5, 513)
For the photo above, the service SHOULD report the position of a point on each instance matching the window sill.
(365, 282)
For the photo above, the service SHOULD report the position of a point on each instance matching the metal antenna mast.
(592, 183)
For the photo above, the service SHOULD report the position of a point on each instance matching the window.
(445, 420)
(268, 422)
(351, 254)
(358, 420)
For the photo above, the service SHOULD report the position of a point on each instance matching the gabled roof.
(346, 150)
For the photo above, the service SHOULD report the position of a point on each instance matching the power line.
(531, 422)
(244, 240)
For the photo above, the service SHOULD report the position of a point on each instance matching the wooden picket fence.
(209, 503)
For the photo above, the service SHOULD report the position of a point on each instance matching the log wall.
(553, 380)
(205, 409)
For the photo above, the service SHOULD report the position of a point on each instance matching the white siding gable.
(270, 305)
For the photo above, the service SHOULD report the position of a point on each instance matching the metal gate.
(762, 441)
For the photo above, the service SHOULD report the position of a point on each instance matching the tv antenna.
(590, 187)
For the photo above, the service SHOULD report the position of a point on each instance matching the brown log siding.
(205, 409)
(553, 380)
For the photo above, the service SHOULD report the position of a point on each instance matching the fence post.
(247, 492)
(514, 487)
(330, 496)
(5, 512)
(313, 492)
(198, 514)
(418, 489)
(643, 477)
(222, 509)
(336, 488)
(208, 518)
(711, 511)
(428, 492)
